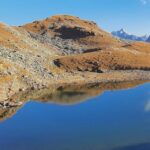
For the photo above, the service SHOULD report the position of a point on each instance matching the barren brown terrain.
(65, 49)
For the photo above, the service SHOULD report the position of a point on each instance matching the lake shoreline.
(86, 78)
(84, 86)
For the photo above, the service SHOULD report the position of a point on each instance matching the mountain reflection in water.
(79, 117)
(65, 94)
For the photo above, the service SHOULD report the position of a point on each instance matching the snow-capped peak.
(123, 35)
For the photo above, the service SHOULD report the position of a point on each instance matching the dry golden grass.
(120, 59)
(30, 60)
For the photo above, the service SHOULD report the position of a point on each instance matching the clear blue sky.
(132, 15)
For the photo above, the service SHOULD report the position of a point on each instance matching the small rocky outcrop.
(73, 33)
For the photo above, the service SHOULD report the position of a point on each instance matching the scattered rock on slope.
(49, 51)
(70, 34)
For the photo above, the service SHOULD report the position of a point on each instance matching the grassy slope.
(28, 53)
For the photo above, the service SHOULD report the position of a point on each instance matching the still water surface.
(114, 120)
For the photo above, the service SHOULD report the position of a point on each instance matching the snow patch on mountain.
(124, 35)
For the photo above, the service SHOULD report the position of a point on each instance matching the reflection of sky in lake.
(109, 121)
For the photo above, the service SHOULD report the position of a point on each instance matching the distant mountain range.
(148, 40)
(124, 35)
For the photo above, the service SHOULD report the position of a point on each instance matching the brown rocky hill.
(71, 35)
(59, 48)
